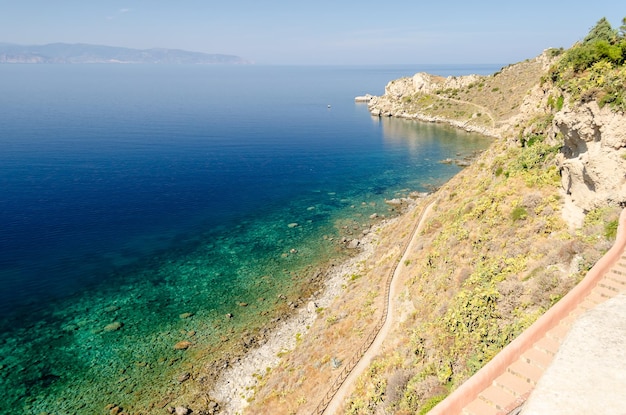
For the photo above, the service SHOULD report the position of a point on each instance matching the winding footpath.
(503, 385)
(395, 285)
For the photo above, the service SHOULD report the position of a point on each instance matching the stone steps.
(510, 389)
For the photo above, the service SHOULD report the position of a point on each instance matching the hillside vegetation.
(594, 70)
(498, 250)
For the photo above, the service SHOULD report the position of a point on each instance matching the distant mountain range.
(84, 53)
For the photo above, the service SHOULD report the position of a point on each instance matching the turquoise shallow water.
(141, 204)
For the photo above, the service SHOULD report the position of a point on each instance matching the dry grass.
(483, 276)
(486, 104)
(502, 93)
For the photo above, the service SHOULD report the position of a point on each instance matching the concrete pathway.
(588, 373)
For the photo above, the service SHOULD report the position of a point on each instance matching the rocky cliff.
(591, 161)
(490, 104)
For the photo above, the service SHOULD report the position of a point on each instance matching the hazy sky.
(315, 31)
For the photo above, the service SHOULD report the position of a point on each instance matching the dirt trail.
(337, 403)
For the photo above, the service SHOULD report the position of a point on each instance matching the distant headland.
(84, 53)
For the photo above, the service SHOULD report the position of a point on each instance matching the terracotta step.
(498, 397)
(591, 301)
(548, 345)
(559, 332)
(479, 407)
(526, 371)
(603, 291)
(515, 385)
(573, 315)
(611, 284)
(538, 357)
(568, 320)
(619, 268)
(617, 276)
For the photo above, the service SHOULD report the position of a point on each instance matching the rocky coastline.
(235, 384)
(226, 385)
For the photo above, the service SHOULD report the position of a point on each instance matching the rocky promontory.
(508, 105)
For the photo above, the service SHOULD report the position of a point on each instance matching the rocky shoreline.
(236, 383)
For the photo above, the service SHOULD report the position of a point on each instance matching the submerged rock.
(183, 377)
(115, 326)
(182, 345)
(394, 201)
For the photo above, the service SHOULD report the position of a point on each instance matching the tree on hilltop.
(601, 31)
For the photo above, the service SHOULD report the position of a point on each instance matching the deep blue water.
(114, 179)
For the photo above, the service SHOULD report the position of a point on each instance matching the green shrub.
(519, 213)
(559, 103)
(593, 69)
(610, 230)
(431, 403)
(556, 104)
(554, 52)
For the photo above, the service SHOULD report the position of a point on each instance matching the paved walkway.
(588, 373)
(589, 359)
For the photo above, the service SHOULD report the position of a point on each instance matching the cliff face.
(506, 105)
(592, 163)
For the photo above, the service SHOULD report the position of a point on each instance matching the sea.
(152, 215)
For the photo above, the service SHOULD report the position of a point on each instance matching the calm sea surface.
(139, 204)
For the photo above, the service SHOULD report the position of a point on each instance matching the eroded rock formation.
(592, 159)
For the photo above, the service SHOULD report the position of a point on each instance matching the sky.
(315, 32)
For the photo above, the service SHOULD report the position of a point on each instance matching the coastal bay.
(151, 240)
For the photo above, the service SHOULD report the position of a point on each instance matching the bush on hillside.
(594, 68)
